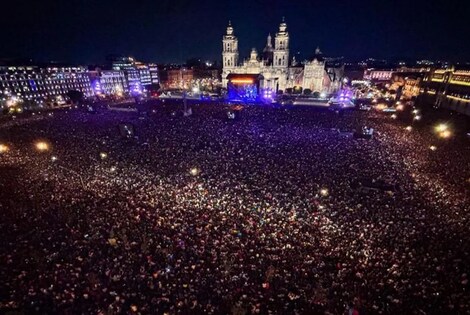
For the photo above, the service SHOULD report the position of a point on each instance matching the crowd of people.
(264, 214)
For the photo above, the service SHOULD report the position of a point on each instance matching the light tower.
(229, 53)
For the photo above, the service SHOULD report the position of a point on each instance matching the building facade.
(448, 88)
(277, 72)
(42, 84)
(108, 82)
(378, 74)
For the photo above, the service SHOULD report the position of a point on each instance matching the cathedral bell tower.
(229, 53)
(281, 47)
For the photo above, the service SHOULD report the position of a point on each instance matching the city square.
(235, 157)
(264, 214)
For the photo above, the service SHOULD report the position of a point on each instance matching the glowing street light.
(4, 148)
(194, 171)
(441, 127)
(42, 146)
(445, 134)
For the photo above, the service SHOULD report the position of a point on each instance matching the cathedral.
(276, 72)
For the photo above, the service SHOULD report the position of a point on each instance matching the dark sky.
(84, 31)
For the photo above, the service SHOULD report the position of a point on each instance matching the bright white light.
(415, 111)
(409, 128)
(394, 116)
(194, 171)
(433, 148)
(103, 155)
(195, 89)
(400, 107)
(417, 117)
(324, 192)
(54, 158)
(323, 95)
(112, 169)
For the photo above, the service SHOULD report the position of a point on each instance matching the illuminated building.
(378, 74)
(46, 85)
(154, 77)
(144, 73)
(108, 82)
(448, 88)
(274, 68)
(138, 75)
(178, 78)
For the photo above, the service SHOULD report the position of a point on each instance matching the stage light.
(4, 148)
(42, 146)
(194, 171)
(246, 81)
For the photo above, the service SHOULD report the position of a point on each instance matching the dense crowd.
(259, 215)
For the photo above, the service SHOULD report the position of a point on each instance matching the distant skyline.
(167, 31)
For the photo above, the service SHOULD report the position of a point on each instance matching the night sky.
(176, 30)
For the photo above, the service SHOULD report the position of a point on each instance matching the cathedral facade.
(277, 71)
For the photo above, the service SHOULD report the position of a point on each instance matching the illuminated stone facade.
(278, 73)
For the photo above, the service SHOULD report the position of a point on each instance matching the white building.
(274, 67)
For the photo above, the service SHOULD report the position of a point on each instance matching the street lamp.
(441, 127)
(42, 146)
(445, 134)
(194, 171)
(4, 148)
